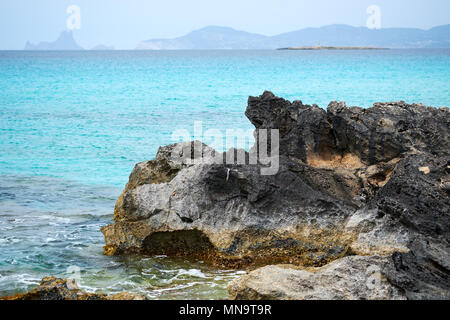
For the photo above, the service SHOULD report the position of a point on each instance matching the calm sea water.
(73, 124)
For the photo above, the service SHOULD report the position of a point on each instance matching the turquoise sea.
(73, 124)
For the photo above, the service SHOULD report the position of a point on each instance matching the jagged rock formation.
(351, 182)
(65, 41)
(52, 288)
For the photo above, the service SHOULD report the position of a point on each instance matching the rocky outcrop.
(52, 288)
(247, 219)
(354, 187)
(349, 278)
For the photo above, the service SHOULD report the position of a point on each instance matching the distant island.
(335, 36)
(332, 48)
(65, 41)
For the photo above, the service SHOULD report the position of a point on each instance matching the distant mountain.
(102, 47)
(212, 37)
(64, 42)
(333, 35)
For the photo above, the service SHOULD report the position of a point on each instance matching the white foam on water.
(149, 275)
(176, 287)
(20, 279)
(193, 273)
(13, 240)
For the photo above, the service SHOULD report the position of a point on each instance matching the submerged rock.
(52, 288)
(351, 182)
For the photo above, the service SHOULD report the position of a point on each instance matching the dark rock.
(351, 181)
(52, 288)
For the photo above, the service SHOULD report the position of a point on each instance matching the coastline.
(45, 217)
(340, 204)
(332, 48)
(340, 213)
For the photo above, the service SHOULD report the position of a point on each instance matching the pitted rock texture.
(52, 288)
(247, 219)
(351, 182)
(349, 278)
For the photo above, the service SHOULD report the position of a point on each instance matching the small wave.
(55, 219)
(21, 278)
(192, 272)
(176, 287)
(16, 221)
(11, 240)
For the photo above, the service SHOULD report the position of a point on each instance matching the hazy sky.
(124, 23)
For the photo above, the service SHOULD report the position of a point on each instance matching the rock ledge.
(354, 187)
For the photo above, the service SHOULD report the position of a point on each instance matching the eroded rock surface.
(349, 278)
(247, 219)
(351, 182)
(52, 288)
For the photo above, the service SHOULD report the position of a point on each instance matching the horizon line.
(224, 27)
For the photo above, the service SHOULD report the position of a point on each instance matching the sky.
(124, 23)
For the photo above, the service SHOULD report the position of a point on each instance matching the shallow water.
(73, 124)
(50, 226)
